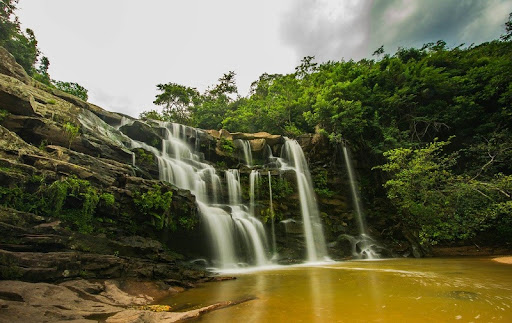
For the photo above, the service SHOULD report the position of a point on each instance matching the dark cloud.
(336, 29)
(329, 30)
(412, 23)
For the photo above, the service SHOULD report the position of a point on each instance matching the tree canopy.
(432, 125)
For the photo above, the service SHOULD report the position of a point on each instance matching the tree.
(508, 29)
(73, 89)
(306, 67)
(379, 51)
(41, 74)
(177, 100)
(438, 205)
(215, 103)
(226, 85)
(22, 45)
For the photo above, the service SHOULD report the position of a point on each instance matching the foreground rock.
(85, 301)
(35, 248)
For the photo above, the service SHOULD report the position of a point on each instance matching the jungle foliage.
(431, 125)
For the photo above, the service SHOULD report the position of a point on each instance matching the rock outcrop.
(9, 67)
(85, 301)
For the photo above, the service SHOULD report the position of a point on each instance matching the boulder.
(42, 302)
(214, 133)
(141, 131)
(258, 145)
(223, 133)
(9, 67)
(11, 144)
(14, 97)
(270, 139)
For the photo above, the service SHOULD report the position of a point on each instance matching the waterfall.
(363, 246)
(292, 158)
(271, 207)
(124, 121)
(180, 163)
(355, 194)
(245, 145)
(254, 180)
(249, 228)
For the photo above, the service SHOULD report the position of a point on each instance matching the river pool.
(394, 290)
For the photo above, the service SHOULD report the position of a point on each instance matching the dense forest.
(431, 127)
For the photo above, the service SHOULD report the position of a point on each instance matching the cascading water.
(254, 180)
(271, 207)
(355, 193)
(362, 246)
(249, 228)
(236, 236)
(292, 158)
(181, 165)
(245, 145)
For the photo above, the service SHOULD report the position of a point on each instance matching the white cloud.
(120, 49)
(126, 47)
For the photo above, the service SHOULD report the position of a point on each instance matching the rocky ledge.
(92, 301)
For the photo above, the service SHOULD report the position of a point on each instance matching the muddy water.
(398, 290)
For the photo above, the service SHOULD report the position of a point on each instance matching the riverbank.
(472, 250)
(102, 300)
(504, 260)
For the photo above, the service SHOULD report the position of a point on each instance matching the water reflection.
(427, 290)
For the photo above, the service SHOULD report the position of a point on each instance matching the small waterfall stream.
(362, 246)
(292, 158)
(245, 146)
(361, 223)
(254, 181)
(271, 206)
(249, 228)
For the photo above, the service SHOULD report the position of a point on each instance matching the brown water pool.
(396, 290)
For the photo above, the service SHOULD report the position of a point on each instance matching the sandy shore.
(504, 260)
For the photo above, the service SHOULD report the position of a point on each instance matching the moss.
(9, 268)
(227, 145)
(3, 114)
(155, 204)
(143, 156)
(10, 272)
(72, 130)
(108, 199)
(320, 183)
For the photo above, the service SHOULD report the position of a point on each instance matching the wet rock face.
(143, 132)
(35, 248)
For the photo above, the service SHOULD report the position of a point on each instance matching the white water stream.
(180, 163)
(292, 158)
(363, 246)
(245, 146)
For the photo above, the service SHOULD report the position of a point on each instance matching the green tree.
(436, 204)
(177, 101)
(73, 89)
(215, 103)
(41, 74)
(508, 29)
(22, 45)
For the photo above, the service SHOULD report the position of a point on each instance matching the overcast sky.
(120, 49)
